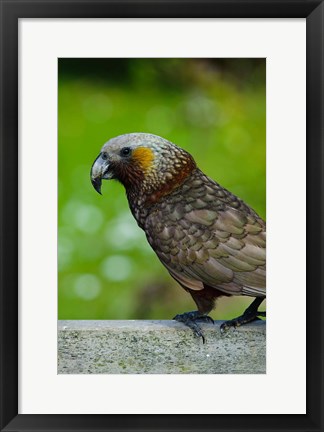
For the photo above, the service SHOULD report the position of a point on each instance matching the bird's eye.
(104, 156)
(125, 151)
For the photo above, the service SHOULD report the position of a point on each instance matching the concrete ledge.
(159, 347)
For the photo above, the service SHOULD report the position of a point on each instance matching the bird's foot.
(190, 320)
(248, 316)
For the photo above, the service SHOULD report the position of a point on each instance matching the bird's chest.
(164, 235)
(178, 225)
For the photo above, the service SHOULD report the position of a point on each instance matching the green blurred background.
(214, 108)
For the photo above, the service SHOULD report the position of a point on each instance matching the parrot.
(210, 241)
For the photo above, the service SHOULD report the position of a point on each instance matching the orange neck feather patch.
(144, 157)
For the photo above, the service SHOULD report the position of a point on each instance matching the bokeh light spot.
(86, 217)
(201, 110)
(123, 233)
(87, 286)
(116, 268)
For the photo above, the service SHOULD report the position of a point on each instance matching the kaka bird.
(210, 241)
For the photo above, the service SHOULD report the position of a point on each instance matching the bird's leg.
(190, 320)
(263, 313)
(250, 314)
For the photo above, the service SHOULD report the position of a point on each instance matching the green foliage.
(215, 109)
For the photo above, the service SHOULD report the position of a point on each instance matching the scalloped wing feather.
(218, 242)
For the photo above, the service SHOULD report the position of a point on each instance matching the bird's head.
(142, 162)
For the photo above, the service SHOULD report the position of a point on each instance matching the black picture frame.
(11, 11)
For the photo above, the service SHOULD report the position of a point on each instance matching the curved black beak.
(96, 183)
(99, 171)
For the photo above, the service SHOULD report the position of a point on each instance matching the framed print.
(227, 83)
(179, 98)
